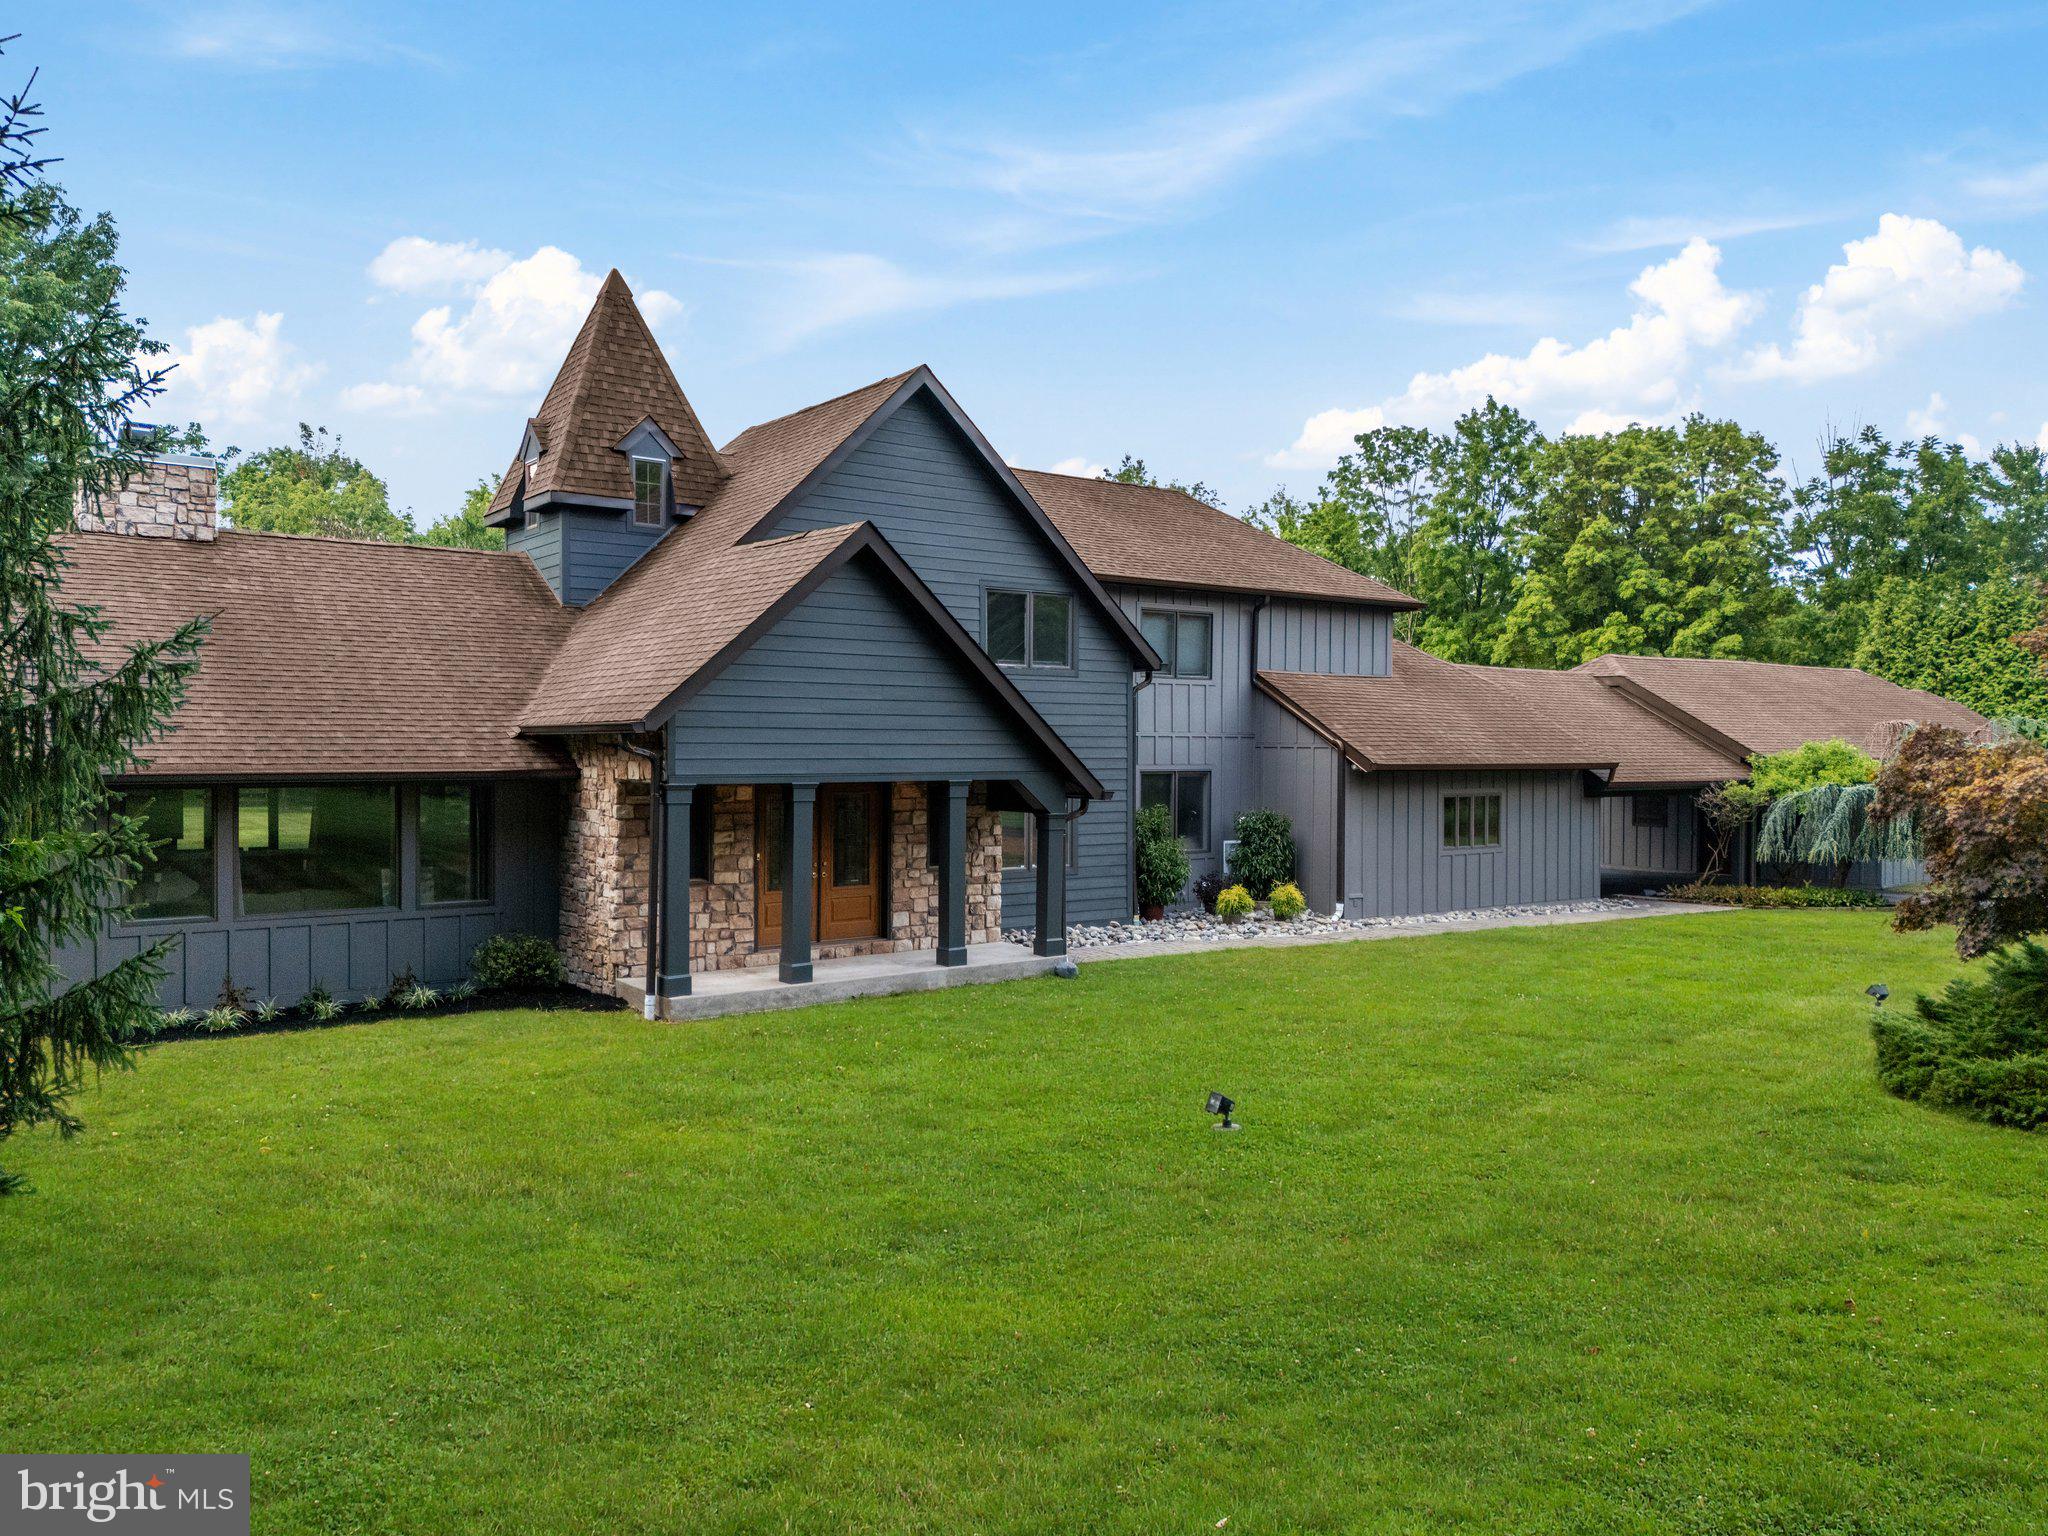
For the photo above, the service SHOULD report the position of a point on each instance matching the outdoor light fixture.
(1219, 1105)
(1877, 992)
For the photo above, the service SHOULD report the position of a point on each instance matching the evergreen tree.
(1960, 642)
(76, 707)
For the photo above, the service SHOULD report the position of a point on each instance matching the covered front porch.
(715, 994)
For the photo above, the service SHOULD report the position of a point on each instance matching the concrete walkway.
(717, 994)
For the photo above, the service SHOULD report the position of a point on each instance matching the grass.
(1606, 1227)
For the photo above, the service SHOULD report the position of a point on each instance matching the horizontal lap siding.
(1672, 849)
(540, 539)
(598, 548)
(356, 953)
(943, 510)
(852, 684)
(1396, 865)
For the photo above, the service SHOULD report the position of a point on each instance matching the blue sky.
(1223, 237)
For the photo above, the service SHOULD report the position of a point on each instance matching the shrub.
(418, 996)
(222, 1019)
(1288, 902)
(1162, 861)
(1777, 895)
(1234, 904)
(323, 1008)
(1265, 851)
(268, 1011)
(461, 992)
(517, 962)
(1206, 889)
(233, 998)
(1981, 1047)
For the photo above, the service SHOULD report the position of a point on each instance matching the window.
(1649, 811)
(317, 848)
(1030, 629)
(1020, 840)
(179, 883)
(650, 498)
(454, 843)
(1186, 798)
(1471, 821)
(1184, 640)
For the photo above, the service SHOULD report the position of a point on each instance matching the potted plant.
(1162, 863)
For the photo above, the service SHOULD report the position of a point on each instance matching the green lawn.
(1598, 1228)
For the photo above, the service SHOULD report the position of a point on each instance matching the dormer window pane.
(649, 477)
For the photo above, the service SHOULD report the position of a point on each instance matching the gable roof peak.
(613, 378)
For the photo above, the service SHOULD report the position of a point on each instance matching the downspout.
(657, 846)
(1131, 862)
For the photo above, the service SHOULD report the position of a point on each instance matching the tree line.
(1911, 559)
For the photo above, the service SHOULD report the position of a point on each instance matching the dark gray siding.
(1300, 776)
(850, 685)
(355, 953)
(581, 552)
(943, 509)
(1672, 849)
(1396, 863)
(1334, 638)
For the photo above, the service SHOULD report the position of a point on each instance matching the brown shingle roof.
(332, 657)
(1764, 706)
(1154, 536)
(614, 377)
(1430, 713)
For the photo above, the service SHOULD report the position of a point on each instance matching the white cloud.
(384, 397)
(2041, 439)
(235, 372)
(836, 289)
(1635, 372)
(506, 337)
(1087, 468)
(2019, 191)
(1931, 420)
(1912, 277)
(411, 264)
(285, 36)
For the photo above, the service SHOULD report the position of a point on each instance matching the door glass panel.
(1051, 631)
(773, 814)
(1193, 660)
(852, 840)
(1193, 819)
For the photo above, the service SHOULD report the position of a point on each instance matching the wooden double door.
(846, 862)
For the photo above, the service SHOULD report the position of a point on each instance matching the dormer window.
(650, 493)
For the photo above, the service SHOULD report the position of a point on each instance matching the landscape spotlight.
(1877, 992)
(1219, 1105)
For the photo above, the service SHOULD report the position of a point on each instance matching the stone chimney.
(172, 496)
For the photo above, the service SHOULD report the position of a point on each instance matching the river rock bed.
(1200, 927)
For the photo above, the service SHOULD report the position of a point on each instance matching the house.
(848, 684)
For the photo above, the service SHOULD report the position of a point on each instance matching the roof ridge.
(819, 405)
(231, 531)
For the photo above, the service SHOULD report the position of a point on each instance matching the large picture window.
(317, 848)
(1030, 629)
(179, 881)
(454, 843)
(1471, 821)
(1186, 641)
(1186, 798)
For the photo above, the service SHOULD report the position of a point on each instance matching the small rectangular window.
(453, 843)
(179, 882)
(1185, 642)
(1020, 840)
(1649, 811)
(317, 848)
(1472, 821)
(650, 482)
(1030, 629)
(1186, 798)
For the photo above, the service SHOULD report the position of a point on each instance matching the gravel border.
(1200, 927)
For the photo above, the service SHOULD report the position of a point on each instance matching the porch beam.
(1051, 938)
(949, 805)
(798, 898)
(673, 942)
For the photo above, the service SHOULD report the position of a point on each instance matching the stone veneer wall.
(165, 499)
(606, 867)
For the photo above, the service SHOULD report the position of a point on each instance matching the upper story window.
(1649, 811)
(1030, 629)
(1186, 641)
(650, 493)
(1471, 821)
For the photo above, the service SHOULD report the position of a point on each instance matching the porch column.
(798, 899)
(1052, 883)
(949, 806)
(674, 940)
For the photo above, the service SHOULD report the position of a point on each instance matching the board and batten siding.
(1336, 639)
(355, 954)
(580, 552)
(1301, 776)
(851, 685)
(943, 509)
(1672, 849)
(1396, 864)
